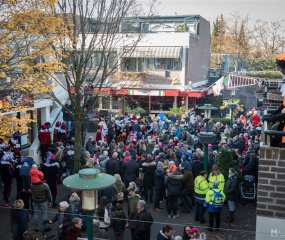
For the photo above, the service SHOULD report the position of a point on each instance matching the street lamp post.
(89, 181)
(206, 137)
(232, 105)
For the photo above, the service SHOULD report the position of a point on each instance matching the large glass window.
(141, 64)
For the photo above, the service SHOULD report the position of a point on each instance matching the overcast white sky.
(270, 10)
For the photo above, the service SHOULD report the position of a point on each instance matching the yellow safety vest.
(219, 178)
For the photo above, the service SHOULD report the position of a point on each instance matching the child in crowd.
(36, 175)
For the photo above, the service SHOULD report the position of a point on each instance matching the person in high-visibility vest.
(214, 202)
(201, 187)
(216, 175)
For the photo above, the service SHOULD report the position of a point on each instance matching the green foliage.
(264, 74)
(134, 111)
(222, 120)
(177, 111)
(225, 161)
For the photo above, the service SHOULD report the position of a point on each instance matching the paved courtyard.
(242, 228)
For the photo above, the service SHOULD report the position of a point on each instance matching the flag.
(174, 80)
(227, 81)
(218, 86)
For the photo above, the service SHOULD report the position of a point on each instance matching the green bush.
(264, 74)
(222, 120)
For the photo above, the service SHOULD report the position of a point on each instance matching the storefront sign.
(146, 93)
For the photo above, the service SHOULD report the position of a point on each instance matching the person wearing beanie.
(216, 175)
(144, 223)
(201, 187)
(196, 235)
(214, 202)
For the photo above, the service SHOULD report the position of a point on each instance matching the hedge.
(222, 120)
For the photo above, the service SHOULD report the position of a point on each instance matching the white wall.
(269, 228)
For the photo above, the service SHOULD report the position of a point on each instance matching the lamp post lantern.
(89, 181)
(206, 137)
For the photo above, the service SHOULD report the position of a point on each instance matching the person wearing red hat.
(45, 141)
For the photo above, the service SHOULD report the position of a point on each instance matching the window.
(141, 64)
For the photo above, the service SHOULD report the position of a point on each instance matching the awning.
(151, 52)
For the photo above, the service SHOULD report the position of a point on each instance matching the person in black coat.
(165, 233)
(130, 171)
(112, 165)
(173, 184)
(231, 192)
(148, 167)
(197, 165)
(67, 115)
(63, 219)
(252, 167)
(159, 176)
(144, 222)
(19, 220)
(50, 170)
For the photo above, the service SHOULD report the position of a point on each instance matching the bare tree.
(95, 38)
(269, 37)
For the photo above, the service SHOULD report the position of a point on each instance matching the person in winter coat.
(36, 175)
(99, 233)
(6, 169)
(173, 185)
(133, 212)
(201, 187)
(148, 167)
(119, 187)
(68, 160)
(74, 231)
(255, 119)
(66, 114)
(197, 165)
(103, 161)
(187, 189)
(150, 146)
(118, 222)
(112, 165)
(25, 167)
(74, 203)
(130, 171)
(159, 177)
(144, 223)
(165, 233)
(63, 219)
(231, 191)
(214, 202)
(19, 220)
(252, 167)
(51, 170)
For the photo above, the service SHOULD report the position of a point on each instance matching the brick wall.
(271, 183)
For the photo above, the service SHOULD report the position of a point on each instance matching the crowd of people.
(156, 161)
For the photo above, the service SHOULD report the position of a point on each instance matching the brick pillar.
(271, 192)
